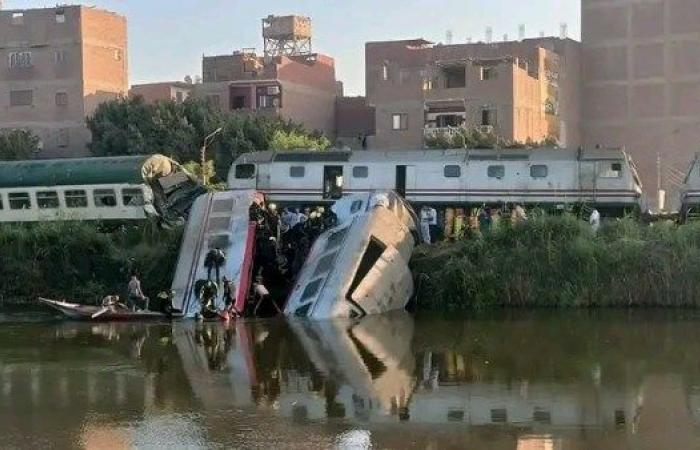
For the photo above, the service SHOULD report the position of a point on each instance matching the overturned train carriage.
(359, 267)
(604, 178)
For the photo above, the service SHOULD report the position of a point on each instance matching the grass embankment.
(560, 262)
(83, 261)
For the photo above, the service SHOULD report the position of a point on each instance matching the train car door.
(332, 182)
(405, 179)
(588, 180)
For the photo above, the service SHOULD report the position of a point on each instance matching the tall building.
(642, 84)
(521, 90)
(287, 80)
(56, 66)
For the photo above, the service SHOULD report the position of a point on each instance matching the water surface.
(506, 380)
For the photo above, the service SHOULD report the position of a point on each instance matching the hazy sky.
(167, 38)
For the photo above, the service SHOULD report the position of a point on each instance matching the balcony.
(446, 132)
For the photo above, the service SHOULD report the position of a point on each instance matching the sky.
(167, 38)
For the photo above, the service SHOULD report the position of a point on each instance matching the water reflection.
(517, 381)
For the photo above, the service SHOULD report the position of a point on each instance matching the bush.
(18, 144)
(79, 261)
(559, 262)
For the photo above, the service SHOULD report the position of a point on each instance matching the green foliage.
(81, 262)
(291, 140)
(559, 262)
(474, 138)
(131, 126)
(18, 144)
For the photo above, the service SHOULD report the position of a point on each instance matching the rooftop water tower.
(286, 35)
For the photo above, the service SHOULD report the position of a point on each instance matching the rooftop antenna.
(521, 31)
(563, 30)
(448, 37)
(489, 35)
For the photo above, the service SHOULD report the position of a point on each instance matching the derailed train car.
(603, 178)
(690, 192)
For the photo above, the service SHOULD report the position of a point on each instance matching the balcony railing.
(431, 133)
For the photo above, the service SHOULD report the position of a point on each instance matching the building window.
(63, 138)
(453, 171)
(20, 200)
(132, 197)
(488, 73)
(499, 415)
(60, 16)
(245, 171)
(385, 72)
(19, 60)
(455, 77)
(17, 18)
(399, 121)
(21, 98)
(297, 171)
(117, 54)
(76, 199)
(496, 171)
(61, 99)
(47, 199)
(59, 56)
(360, 172)
(539, 171)
(105, 198)
(179, 97)
(489, 117)
(611, 170)
(238, 102)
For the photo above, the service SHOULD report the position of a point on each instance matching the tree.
(18, 144)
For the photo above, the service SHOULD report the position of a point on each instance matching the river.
(536, 380)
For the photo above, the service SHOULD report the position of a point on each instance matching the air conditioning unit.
(273, 90)
(486, 129)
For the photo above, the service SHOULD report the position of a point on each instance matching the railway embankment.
(82, 261)
(561, 262)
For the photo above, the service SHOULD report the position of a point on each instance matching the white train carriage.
(690, 192)
(604, 178)
(73, 189)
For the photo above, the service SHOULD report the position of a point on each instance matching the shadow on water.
(506, 379)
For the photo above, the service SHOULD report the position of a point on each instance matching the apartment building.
(521, 90)
(642, 84)
(56, 66)
(178, 91)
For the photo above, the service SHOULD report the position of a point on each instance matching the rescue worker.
(428, 224)
(215, 259)
(485, 219)
(208, 296)
(229, 293)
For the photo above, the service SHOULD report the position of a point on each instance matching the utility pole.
(203, 154)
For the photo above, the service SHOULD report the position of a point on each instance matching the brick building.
(521, 90)
(56, 66)
(642, 83)
(169, 90)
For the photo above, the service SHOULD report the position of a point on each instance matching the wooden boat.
(100, 314)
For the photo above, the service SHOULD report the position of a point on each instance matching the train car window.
(360, 172)
(76, 199)
(20, 200)
(2, 206)
(611, 170)
(47, 199)
(297, 171)
(539, 171)
(496, 171)
(105, 198)
(133, 197)
(453, 171)
(356, 206)
(245, 171)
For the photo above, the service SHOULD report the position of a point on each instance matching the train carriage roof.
(456, 155)
(80, 171)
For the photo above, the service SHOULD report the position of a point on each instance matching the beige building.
(522, 91)
(56, 66)
(170, 90)
(642, 84)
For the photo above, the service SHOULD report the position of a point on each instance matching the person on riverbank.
(136, 298)
(594, 221)
(518, 214)
(229, 293)
(485, 219)
(428, 224)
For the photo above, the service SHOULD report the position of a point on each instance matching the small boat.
(76, 311)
